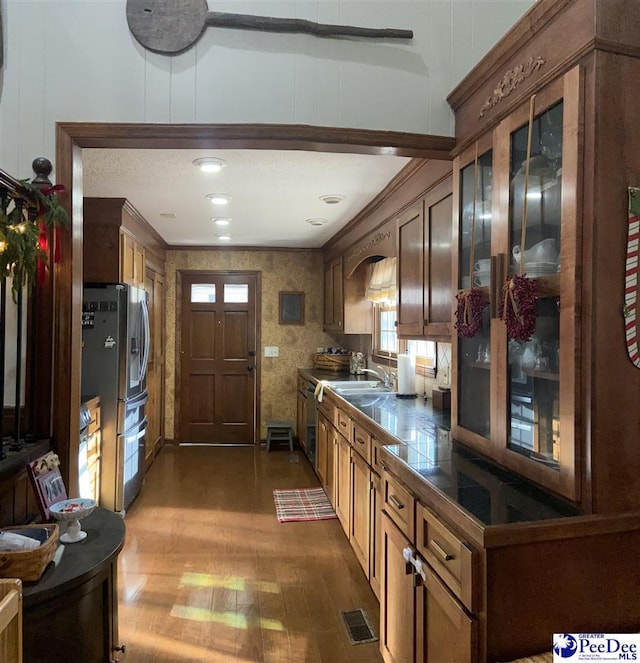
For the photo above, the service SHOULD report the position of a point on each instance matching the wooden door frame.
(177, 425)
(72, 137)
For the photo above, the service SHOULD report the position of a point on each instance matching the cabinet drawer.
(447, 554)
(362, 440)
(375, 462)
(326, 407)
(399, 504)
(343, 424)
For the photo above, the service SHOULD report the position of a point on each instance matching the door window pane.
(236, 293)
(203, 293)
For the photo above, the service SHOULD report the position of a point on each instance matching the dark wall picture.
(292, 308)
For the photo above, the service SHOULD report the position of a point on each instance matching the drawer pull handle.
(343, 424)
(446, 557)
(359, 440)
(396, 502)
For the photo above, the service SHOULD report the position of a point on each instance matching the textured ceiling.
(272, 192)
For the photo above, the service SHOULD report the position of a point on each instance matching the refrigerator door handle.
(146, 337)
(137, 428)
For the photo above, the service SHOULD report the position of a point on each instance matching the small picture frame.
(291, 309)
(48, 484)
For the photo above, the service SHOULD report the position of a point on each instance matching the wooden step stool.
(279, 431)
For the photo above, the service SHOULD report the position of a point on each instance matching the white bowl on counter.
(69, 513)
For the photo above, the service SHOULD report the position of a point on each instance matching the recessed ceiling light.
(221, 220)
(316, 222)
(224, 237)
(332, 199)
(219, 198)
(210, 164)
(167, 215)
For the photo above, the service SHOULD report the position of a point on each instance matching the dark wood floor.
(209, 574)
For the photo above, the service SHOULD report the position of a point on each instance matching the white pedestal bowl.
(69, 513)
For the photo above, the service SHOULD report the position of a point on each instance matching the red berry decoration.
(518, 307)
(471, 304)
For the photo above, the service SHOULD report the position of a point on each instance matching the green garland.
(21, 234)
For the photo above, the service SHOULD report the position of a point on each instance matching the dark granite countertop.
(489, 494)
(74, 564)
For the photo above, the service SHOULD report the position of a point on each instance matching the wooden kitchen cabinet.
(342, 481)
(325, 444)
(563, 416)
(305, 390)
(525, 419)
(322, 445)
(330, 483)
(333, 296)
(118, 243)
(424, 240)
(90, 452)
(360, 521)
(132, 261)
(154, 286)
(445, 551)
(375, 528)
(399, 504)
(362, 441)
(445, 633)
(345, 308)
(421, 619)
(397, 612)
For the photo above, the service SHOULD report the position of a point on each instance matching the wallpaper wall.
(280, 270)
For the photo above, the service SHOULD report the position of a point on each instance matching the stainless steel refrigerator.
(115, 354)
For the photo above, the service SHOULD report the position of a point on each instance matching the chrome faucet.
(388, 378)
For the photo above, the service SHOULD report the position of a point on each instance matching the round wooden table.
(71, 613)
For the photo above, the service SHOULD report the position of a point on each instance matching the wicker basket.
(28, 565)
(327, 362)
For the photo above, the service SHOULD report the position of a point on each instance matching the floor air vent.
(293, 458)
(358, 626)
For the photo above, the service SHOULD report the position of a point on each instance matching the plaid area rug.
(302, 504)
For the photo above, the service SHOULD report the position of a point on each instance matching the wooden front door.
(218, 357)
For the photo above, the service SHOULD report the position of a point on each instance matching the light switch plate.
(271, 351)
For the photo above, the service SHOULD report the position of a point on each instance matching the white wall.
(75, 61)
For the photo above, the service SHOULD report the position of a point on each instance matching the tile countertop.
(487, 493)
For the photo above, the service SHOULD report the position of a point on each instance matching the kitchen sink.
(363, 387)
(352, 384)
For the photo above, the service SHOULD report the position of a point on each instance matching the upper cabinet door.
(472, 399)
(516, 400)
(333, 296)
(424, 242)
(541, 242)
(438, 290)
(411, 270)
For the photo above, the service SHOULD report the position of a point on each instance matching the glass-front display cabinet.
(516, 211)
